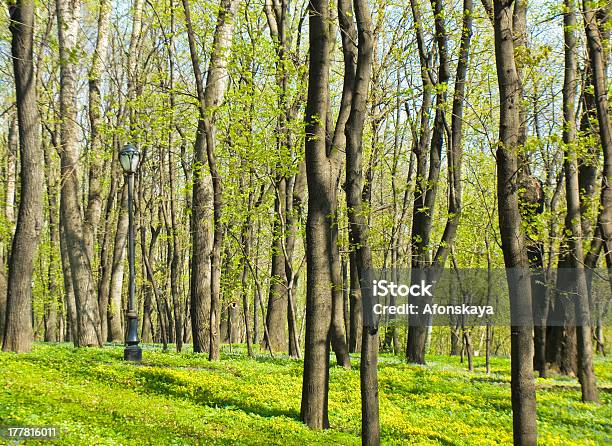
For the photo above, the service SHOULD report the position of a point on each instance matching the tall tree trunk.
(335, 145)
(153, 289)
(315, 383)
(358, 227)
(276, 316)
(115, 308)
(51, 307)
(216, 86)
(423, 214)
(176, 264)
(106, 253)
(603, 233)
(573, 227)
(426, 181)
(206, 280)
(18, 322)
(72, 326)
(513, 241)
(88, 318)
(11, 170)
(295, 197)
(245, 240)
(9, 212)
(96, 149)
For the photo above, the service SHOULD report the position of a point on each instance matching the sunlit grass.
(96, 398)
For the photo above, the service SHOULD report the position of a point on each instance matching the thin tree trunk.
(72, 326)
(18, 322)
(96, 149)
(276, 316)
(115, 309)
(358, 227)
(68, 14)
(315, 383)
(245, 236)
(209, 98)
(603, 234)
(52, 334)
(427, 182)
(573, 227)
(356, 307)
(9, 212)
(513, 242)
(294, 212)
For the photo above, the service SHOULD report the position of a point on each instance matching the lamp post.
(129, 158)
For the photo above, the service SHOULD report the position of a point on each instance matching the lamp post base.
(132, 353)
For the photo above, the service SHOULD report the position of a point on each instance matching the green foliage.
(182, 399)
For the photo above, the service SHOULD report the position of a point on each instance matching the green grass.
(182, 399)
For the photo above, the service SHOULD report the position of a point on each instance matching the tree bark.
(513, 242)
(52, 332)
(96, 149)
(9, 212)
(427, 182)
(276, 316)
(603, 233)
(18, 323)
(315, 383)
(209, 99)
(106, 253)
(358, 226)
(88, 318)
(115, 308)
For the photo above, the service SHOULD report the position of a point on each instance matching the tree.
(315, 382)
(603, 233)
(512, 238)
(88, 331)
(209, 98)
(425, 196)
(358, 228)
(94, 201)
(573, 226)
(18, 325)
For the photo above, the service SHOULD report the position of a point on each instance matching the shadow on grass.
(163, 383)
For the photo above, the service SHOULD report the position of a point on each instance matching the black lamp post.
(129, 158)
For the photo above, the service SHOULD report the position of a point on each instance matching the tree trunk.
(356, 307)
(358, 227)
(315, 384)
(276, 316)
(72, 326)
(586, 374)
(152, 288)
(115, 309)
(294, 212)
(9, 212)
(425, 199)
(513, 242)
(88, 318)
(603, 233)
(18, 322)
(96, 149)
(207, 281)
(52, 332)
(106, 258)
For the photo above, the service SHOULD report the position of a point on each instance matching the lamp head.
(129, 158)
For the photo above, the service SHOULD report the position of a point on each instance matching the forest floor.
(93, 397)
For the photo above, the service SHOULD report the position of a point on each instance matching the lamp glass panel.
(135, 158)
(125, 161)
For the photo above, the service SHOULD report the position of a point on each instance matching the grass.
(183, 399)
